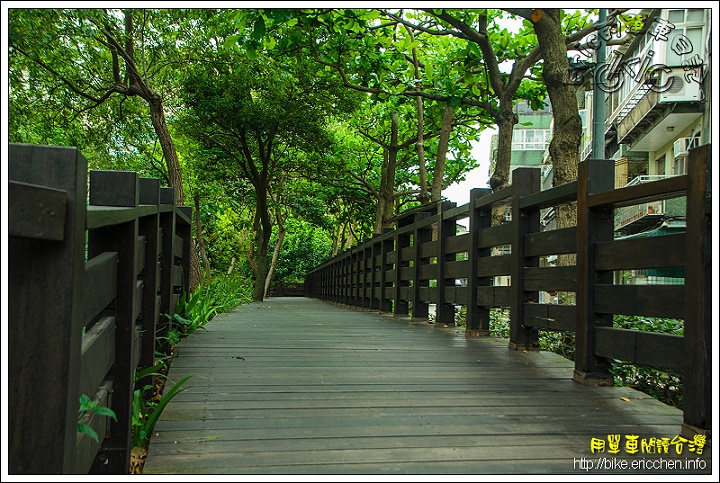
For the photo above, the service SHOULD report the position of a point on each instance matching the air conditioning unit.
(679, 89)
(680, 147)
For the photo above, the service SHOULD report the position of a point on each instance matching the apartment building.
(657, 103)
(657, 108)
(658, 111)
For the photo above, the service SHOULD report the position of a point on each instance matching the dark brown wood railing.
(89, 273)
(421, 261)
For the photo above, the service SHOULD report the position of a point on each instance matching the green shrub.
(223, 293)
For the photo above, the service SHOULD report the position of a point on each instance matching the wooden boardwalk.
(301, 386)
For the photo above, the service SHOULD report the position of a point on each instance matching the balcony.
(645, 117)
(630, 220)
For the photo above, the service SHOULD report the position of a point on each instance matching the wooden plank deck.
(301, 386)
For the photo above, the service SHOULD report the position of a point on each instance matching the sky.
(478, 177)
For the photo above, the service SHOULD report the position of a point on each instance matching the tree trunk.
(276, 254)
(157, 116)
(263, 231)
(350, 236)
(505, 120)
(261, 264)
(443, 141)
(250, 253)
(382, 194)
(565, 144)
(387, 183)
(423, 197)
(384, 212)
(338, 238)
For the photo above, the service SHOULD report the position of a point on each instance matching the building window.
(679, 165)
(691, 15)
(687, 24)
(530, 139)
(660, 165)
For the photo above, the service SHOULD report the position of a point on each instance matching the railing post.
(150, 229)
(593, 225)
(367, 275)
(387, 246)
(375, 291)
(183, 229)
(116, 188)
(402, 240)
(697, 373)
(44, 329)
(525, 181)
(331, 282)
(478, 318)
(420, 236)
(444, 312)
(349, 277)
(337, 280)
(167, 230)
(356, 253)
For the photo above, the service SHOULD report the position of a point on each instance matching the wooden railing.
(89, 274)
(425, 260)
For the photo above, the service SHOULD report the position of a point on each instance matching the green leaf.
(259, 29)
(86, 404)
(103, 411)
(149, 371)
(85, 429)
(429, 71)
(231, 42)
(269, 43)
(149, 423)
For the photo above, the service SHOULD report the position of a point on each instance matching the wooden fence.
(424, 261)
(90, 272)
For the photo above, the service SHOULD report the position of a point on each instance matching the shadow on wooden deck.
(301, 386)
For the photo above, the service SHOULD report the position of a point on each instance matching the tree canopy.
(276, 123)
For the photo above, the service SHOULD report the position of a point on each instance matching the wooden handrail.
(407, 271)
(79, 279)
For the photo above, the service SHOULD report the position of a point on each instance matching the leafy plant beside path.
(220, 295)
(88, 406)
